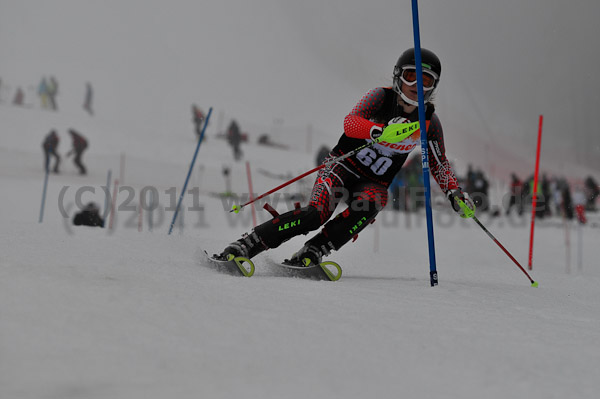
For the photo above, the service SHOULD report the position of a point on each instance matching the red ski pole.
(237, 208)
(533, 283)
(471, 214)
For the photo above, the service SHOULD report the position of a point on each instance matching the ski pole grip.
(469, 213)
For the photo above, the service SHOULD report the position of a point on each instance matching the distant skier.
(89, 95)
(52, 92)
(79, 145)
(43, 93)
(50, 145)
(234, 136)
(198, 119)
(89, 216)
(362, 179)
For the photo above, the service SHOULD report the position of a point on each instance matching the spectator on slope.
(516, 195)
(234, 137)
(546, 196)
(89, 216)
(579, 203)
(592, 191)
(52, 92)
(567, 201)
(87, 102)
(43, 93)
(79, 145)
(198, 119)
(481, 191)
(380, 118)
(19, 97)
(49, 145)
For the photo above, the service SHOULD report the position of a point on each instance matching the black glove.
(457, 194)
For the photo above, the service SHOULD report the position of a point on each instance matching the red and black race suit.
(381, 162)
(360, 180)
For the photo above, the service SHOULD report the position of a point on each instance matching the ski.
(327, 270)
(241, 266)
(236, 266)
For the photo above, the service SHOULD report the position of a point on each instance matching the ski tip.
(534, 284)
(332, 270)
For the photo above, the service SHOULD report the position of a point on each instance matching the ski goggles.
(409, 77)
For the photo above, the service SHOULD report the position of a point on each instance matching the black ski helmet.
(429, 62)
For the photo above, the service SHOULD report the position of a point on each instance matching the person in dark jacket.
(234, 137)
(50, 145)
(592, 191)
(89, 216)
(516, 195)
(79, 145)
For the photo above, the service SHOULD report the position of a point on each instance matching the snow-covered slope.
(123, 313)
(92, 313)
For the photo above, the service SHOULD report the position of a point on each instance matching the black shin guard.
(342, 229)
(290, 224)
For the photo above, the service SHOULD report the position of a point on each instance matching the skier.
(79, 145)
(362, 179)
(50, 145)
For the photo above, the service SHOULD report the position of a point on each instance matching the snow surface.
(122, 313)
(99, 313)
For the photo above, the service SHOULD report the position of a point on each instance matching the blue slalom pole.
(424, 153)
(190, 171)
(44, 190)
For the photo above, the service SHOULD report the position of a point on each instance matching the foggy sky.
(503, 64)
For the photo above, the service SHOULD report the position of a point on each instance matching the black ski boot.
(248, 246)
(310, 258)
(308, 255)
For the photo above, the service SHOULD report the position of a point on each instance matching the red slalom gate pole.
(535, 185)
(250, 191)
